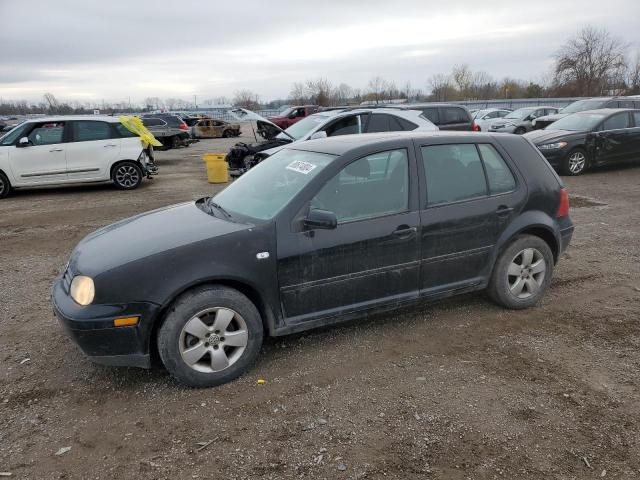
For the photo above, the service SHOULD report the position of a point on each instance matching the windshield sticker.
(301, 167)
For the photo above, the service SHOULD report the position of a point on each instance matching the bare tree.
(343, 94)
(319, 91)
(246, 99)
(441, 87)
(298, 93)
(633, 76)
(462, 77)
(376, 87)
(51, 101)
(591, 62)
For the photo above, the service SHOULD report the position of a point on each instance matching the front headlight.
(82, 290)
(553, 146)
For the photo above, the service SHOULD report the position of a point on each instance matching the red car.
(293, 114)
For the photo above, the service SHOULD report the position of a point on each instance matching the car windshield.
(304, 126)
(13, 135)
(519, 114)
(286, 112)
(582, 106)
(265, 189)
(578, 122)
(480, 113)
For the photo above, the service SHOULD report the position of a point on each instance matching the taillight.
(563, 208)
(475, 127)
(183, 126)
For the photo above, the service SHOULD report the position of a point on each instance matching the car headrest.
(359, 168)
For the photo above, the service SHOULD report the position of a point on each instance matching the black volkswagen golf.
(588, 139)
(320, 233)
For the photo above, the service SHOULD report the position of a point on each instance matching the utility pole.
(195, 103)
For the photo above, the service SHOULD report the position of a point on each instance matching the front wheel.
(127, 175)
(520, 131)
(5, 186)
(522, 273)
(210, 336)
(575, 162)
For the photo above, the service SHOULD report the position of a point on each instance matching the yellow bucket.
(217, 168)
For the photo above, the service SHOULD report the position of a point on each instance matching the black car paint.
(601, 146)
(141, 265)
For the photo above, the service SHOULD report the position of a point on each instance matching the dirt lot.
(460, 389)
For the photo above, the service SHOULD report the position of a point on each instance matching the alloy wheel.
(526, 273)
(213, 339)
(127, 176)
(577, 162)
(3, 186)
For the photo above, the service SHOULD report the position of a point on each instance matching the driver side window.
(47, 133)
(345, 126)
(373, 186)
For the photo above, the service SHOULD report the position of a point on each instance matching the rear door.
(94, 147)
(454, 118)
(471, 196)
(44, 159)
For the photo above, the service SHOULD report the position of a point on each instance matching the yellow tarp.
(135, 125)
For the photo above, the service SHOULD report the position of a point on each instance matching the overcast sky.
(85, 50)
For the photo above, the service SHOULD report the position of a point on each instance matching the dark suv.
(585, 105)
(447, 116)
(326, 230)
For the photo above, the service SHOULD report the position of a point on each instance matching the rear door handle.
(503, 210)
(55, 150)
(404, 231)
(110, 146)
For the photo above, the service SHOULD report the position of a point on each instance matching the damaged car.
(328, 123)
(212, 128)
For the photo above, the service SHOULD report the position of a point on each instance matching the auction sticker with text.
(301, 167)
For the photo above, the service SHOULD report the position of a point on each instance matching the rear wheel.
(127, 175)
(175, 142)
(522, 273)
(227, 134)
(211, 336)
(5, 186)
(575, 162)
(520, 131)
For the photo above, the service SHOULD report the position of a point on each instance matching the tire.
(5, 186)
(575, 163)
(198, 354)
(226, 134)
(127, 175)
(520, 131)
(518, 279)
(175, 142)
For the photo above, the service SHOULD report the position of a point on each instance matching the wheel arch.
(250, 291)
(532, 223)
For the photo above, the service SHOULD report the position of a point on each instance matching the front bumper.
(555, 156)
(506, 129)
(91, 328)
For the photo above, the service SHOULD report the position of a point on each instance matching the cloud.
(160, 48)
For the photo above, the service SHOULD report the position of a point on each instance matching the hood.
(266, 128)
(540, 137)
(146, 234)
(552, 118)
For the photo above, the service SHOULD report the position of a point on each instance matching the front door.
(43, 160)
(471, 196)
(92, 150)
(613, 138)
(372, 257)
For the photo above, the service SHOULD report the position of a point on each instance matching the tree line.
(593, 62)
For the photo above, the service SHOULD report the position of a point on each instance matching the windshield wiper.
(211, 203)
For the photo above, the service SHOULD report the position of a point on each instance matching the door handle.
(110, 146)
(503, 210)
(55, 150)
(404, 231)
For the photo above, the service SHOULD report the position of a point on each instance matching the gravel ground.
(460, 389)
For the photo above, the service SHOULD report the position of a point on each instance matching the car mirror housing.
(321, 219)
(320, 134)
(23, 142)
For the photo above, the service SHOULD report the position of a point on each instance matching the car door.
(94, 147)
(471, 195)
(613, 138)
(453, 118)
(634, 144)
(43, 160)
(371, 257)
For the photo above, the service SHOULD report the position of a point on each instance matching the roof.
(67, 118)
(608, 111)
(343, 143)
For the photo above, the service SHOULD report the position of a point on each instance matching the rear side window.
(405, 125)
(123, 131)
(86, 131)
(172, 121)
(617, 121)
(378, 122)
(636, 118)
(499, 176)
(344, 126)
(454, 173)
(431, 114)
(453, 115)
(152, 122)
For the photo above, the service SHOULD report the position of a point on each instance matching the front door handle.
(503, 211)
(405, 231)
(110, 146)
(55, 150)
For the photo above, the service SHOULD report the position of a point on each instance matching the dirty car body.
(317, 244)
(213, 128)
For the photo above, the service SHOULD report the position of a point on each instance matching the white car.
(483, 118)
(72, 149)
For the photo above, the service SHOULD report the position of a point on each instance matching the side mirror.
(321, 219)
(319, 134)
(23, 142)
